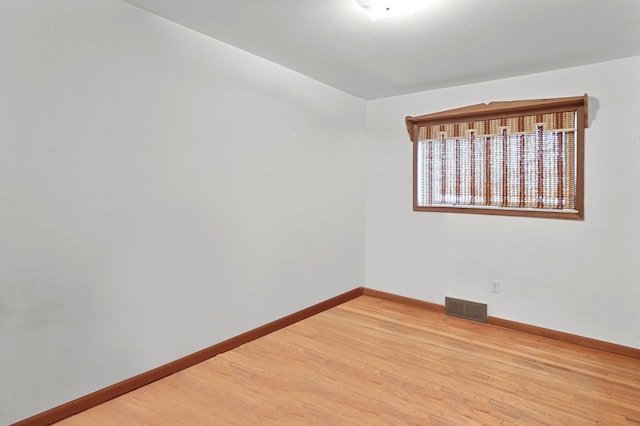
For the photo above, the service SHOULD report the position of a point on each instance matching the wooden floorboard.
(371, 361)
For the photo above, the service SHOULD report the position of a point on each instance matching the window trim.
(496, 110)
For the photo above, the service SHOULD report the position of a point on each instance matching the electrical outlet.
(495, 286)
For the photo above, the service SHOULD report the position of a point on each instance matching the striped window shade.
(521, 158)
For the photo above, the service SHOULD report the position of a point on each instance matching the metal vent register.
(466, 309)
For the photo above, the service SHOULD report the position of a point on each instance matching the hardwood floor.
(371, 361)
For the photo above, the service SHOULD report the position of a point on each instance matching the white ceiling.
(451, 42)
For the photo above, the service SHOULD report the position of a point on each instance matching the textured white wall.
(159, 192)
(577, 277)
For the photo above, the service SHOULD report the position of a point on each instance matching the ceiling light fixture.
(380, 9)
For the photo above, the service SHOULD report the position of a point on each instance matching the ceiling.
(448, 43)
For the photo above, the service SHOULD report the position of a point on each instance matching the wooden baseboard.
(404, 300)
(76, 406)
(532, 329)
(567, 337)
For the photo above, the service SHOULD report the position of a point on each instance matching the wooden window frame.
(505, 110)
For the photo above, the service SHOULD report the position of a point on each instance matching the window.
(521, 158)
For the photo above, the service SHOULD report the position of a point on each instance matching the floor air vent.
(465, 309)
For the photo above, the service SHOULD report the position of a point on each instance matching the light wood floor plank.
(370, 361)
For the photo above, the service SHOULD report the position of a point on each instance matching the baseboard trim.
(404, 300)
(531, 329)
(76, 406)
(588, 342)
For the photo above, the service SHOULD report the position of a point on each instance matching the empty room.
(277, 212)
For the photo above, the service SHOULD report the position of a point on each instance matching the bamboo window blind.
(521, 158)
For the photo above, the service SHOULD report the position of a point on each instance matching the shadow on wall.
(592, 108)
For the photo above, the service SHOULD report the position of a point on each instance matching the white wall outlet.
(495, 286)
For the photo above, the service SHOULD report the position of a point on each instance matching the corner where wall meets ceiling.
(446, 43)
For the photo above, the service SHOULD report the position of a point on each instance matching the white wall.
(159, 192)
(580, 277)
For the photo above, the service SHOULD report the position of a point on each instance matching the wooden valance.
(488, 119)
